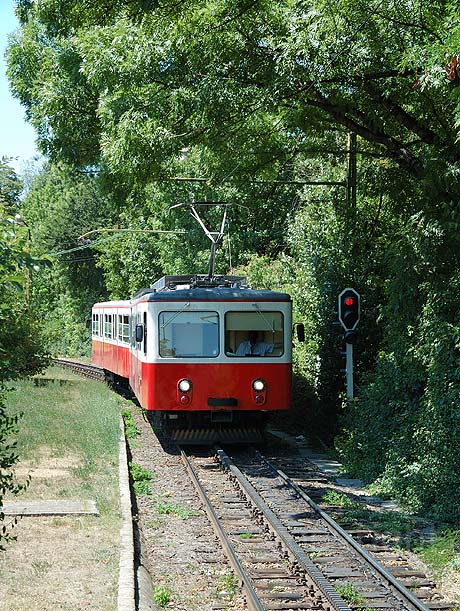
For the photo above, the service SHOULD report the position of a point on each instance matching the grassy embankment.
(68, 444)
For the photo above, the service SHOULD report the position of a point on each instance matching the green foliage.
(10, 187)
(184, 513)
(8, 458)
(131, 429)
(337, 498)
(161, 596)
(350, 594)
(62, 205)
(411, 398)
(443, 552)
(141, 479)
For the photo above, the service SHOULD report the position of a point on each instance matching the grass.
(356, 515)
(390, 522)
(175, 509)
(443, 553)
(77, 425)
(68, 440)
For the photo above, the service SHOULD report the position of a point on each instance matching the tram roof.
(212, 294)
(202, 288)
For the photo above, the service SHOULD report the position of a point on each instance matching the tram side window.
(108, 326)
(249, 334)
(95, 328)
(189, 334)
(123, 328)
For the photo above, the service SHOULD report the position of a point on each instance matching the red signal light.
(349, 301)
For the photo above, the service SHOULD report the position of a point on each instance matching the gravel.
(180, 550)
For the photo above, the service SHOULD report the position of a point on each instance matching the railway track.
(306, 478)
(84, 369)
(269, 578)
(286, 551)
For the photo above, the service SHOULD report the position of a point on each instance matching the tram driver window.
(254, 334)
(184, 334)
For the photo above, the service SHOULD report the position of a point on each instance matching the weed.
(350, 594)
(142, 488)
(227, 585)
(245, 536)
(139, 474)
(161, 596)
(131, 428)
(318, 554)
(392, 522)
(141, 479)
(338, 498)
(155, 523)
(177, 510)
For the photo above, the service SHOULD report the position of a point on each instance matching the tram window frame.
(172, 317)
(95, 327)
(123, 328)
(255, 321)
(108, 328)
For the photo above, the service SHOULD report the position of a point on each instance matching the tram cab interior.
(265, 327)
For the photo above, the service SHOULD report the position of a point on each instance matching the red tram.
(212, 355)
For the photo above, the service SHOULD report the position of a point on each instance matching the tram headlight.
(259, 385)
(184, 385)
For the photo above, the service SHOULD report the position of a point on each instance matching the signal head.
(349, 309)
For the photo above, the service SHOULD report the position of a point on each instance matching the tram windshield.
(185, 334)
(256, 333)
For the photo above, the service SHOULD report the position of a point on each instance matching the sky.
(17, 137)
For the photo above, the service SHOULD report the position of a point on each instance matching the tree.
(253, 79)
(10, 187)
(61, 205)
(20, 349)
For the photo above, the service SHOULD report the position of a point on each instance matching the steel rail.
(253, 600)
(83, 368)
(315, 575)
(398, 587)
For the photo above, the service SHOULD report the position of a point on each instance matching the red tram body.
(182, 345)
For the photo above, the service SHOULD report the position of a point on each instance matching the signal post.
(349, 315)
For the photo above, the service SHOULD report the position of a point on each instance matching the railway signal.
(349, 315)
(349, 309)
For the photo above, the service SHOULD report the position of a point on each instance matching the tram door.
(135, 373)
